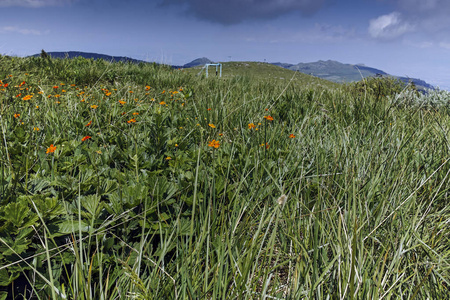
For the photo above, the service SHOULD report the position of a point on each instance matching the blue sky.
(400, 37)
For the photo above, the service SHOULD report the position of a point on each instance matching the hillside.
(264, 71)
(74, 54)
(340, 72)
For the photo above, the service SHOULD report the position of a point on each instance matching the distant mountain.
(338, 72)
(198, 62)
(74, 54)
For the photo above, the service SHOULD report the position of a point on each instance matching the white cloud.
(389, 26)
(34, 3)
(14, 29)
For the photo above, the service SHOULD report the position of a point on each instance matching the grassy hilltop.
(123, 180)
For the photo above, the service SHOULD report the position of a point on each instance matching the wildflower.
(291, 136)
(6, 84)
(268, 118)
(57, 95)
(85, 138)
(40, 92)
(131, 92)
(214, 144)
(131, 121)
(282, 199)
(23, 82)
(176, 145)
(37, 106)
(220, 134)
(16, 115)
(27, 97)
(162, 103)
(55, 87)
(147, 87)
(17, 96)
(99, 152)
(35, 128)
(211, 125)
(63, 91)
(51, 149)
(108, 94)
(88, 124)
(122, 102)
(135, 113)
(163, 92)
(94, 106)
(209, 109)
(251, 126)
(168, 158)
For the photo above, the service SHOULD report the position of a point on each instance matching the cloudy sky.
(400, 37)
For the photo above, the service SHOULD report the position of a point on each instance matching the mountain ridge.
(330, 69)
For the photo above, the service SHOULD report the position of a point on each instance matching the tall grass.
(148, 210)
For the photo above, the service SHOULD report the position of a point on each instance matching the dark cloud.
(236, 11)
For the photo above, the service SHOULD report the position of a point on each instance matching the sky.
(401, 37)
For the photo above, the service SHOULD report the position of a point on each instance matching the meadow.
(139, 181)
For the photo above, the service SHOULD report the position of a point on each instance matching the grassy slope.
(147, 208)
(265, 72)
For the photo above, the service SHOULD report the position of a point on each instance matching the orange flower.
(162, 103)
(51, 149)
(55, 87)
(122, 102)
(268, 118)
(108, 94)
(35, 128)
(57, 95)
(251, 126)
(16, 115)
(27, 97)
(291, 136)
(88, 124)
(209, 109)
(212, 125)
(135, 113)
(85, 138)
(214, 144)
(131, 121)
(147, 87)
(94, 106)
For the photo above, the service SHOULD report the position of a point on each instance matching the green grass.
(148, 210)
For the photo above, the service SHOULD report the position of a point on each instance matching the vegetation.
(139, 181)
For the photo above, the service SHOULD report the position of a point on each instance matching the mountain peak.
(198, 62)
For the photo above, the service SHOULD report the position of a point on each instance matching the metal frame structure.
(218, 67)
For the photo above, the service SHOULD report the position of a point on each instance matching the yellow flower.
(212, 125)
(168, 158)
(35, 128)
(94, 106)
